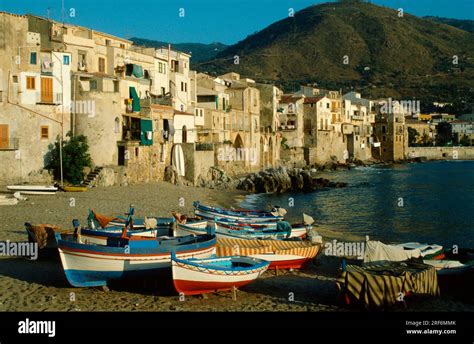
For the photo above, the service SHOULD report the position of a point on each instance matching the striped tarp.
(381, 285)
(229, 247)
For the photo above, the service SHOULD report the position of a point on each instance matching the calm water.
(438, 204)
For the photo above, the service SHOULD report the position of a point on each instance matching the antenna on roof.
(48, 11)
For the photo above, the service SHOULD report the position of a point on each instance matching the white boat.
(6, 200)
(200, 276)
(426, 250)
(33, 189)
(449, 267)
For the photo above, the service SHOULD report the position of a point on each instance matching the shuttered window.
(101, 65)
(4, 139)
(30, 83)
(44, 132)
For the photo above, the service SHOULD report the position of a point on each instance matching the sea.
(430, 202)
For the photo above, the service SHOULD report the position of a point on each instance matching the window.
(108, 42)
(82, 58)
(327, 105)
(117, 125)
(44, 132)
(93, 84)
(182, 86)
(163, 91)
(30, 83)
(116, 86)
(15, 79)
(122, 46)
(101, 65)
(160, 67)
(66, 60)
(383, 129)
(33, 58)
(4, 137)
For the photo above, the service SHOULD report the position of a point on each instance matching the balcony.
(11, 144)
(358, 117)
(54, 98)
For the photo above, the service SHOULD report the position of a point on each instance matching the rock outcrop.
(282, 180)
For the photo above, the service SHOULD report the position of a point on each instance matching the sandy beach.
(41, 285)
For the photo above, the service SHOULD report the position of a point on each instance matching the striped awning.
(229, 247)
(381, 285)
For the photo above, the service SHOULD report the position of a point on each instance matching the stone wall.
(197, 162)
(441, 153)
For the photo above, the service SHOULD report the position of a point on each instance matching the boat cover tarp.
(284, 226)
(378, 252)
(227, 247)
(42, 234)
(381, 285)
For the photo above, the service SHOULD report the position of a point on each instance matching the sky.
(204, 21)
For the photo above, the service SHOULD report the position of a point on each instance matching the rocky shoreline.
(282, 179)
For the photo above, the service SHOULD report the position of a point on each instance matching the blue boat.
(241, 215)
(88, 264)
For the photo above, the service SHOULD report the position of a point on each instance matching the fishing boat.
(101, 227)
(427, 251)
(225, 231)
(87, 265)
(281, 229)
(96, 220)
(33, 189)
(241, 215)
(459, 261)
(280, 254)
(200, 276)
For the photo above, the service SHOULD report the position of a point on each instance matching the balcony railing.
(54, 98)
(11, 144)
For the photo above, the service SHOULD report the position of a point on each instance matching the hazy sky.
(205, 21)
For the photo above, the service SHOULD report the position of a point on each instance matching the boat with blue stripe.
(241, 215)
(89, 264)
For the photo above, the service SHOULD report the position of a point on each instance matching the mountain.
(200, 52)
(386, 55)
(463, 24)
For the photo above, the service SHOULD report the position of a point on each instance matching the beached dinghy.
(280, 254)
(240, 215)
(228, 231)
(33, 189)
(96, 220)
(457, 261)
(427, 251)
(283, 228)
(87, 265)
(200, 276)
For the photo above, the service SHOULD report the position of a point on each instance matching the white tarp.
(376, 251)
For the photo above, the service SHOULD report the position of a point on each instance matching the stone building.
(270, 136)
(35, 96)
(390, 136)
(360, 113)
(291, 114)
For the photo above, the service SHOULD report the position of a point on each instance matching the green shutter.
(135, 100)
(146, 126)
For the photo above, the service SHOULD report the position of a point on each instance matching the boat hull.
(191, 279)
(95, 265)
